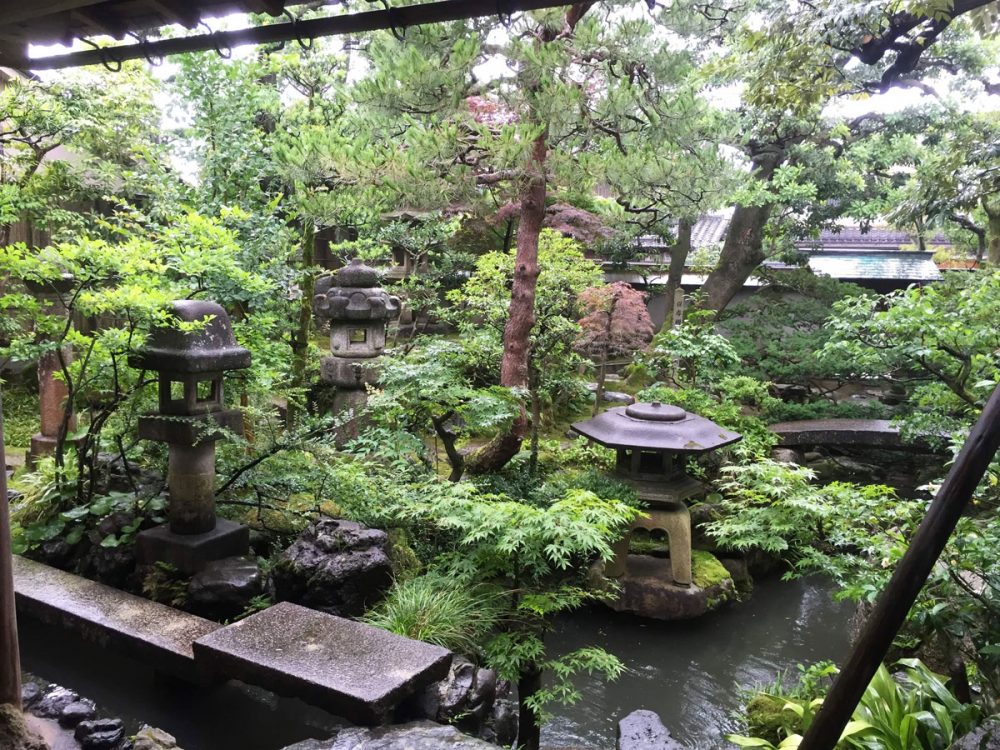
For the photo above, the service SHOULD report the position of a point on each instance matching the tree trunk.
(10, 660)
(528, 729)
(602, 372)
(521, 315)
(678, 259)
(743, 249)
(303, 333)
(992, 209)
(536, 422)
(455, 459)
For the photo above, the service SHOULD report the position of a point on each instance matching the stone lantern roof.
(354, 294)
(655, 427)
(211, 348)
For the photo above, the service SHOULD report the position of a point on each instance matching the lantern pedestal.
(645, 590)
(190, 553)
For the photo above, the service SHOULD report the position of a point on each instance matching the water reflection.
(691, 673)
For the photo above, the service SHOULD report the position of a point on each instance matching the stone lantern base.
(190, 553)
(645, 589)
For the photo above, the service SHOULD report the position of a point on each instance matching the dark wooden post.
(909, 577)
(10, 660)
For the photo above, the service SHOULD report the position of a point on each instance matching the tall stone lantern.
(649, 438)
(192, 416)
(359, 311)
(52, 391)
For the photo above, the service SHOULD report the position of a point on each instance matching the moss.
(14, 731)
(404, 561)
(706, 570)
(766, 717)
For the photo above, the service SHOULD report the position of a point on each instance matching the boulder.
(225, 588)
(53, 702)
(643, 730)
(417, 735)
(336, 566)
(787, 456)
(151, 738)
(77, 711)
(14, 731)
(985, 737)
(464, 698)
(99, 734)
(30, 695)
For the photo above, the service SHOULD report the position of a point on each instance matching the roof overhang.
(26, 22)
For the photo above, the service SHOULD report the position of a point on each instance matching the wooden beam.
(909, 577)
(397, 19)
(14, 12)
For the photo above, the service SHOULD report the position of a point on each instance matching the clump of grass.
(441, 610)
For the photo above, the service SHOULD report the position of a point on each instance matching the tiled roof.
(902, 266)
(882, 238)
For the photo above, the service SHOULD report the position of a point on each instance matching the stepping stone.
(156, 634)
(348, 668)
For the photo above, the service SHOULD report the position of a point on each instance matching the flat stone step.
(153, 633)
(348, 668)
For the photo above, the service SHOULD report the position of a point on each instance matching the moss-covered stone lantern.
(191, 357)
(359, 311)
(649, 439)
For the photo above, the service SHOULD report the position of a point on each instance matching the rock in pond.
(643, 730)
(467, 698)
(100, 734)
(985, 737)
(417, 735)
(336, 566)
(53, 702)
(225, 588)
(77, 711)
(151, 738)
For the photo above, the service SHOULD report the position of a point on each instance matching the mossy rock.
(768, 719)
(14, 731)
(404, 561)
(706, 570)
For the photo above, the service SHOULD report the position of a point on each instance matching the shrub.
(439, 609)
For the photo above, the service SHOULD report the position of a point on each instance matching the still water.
(690, 673)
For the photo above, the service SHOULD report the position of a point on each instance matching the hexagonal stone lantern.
(649, 438)
(192, 417)
(359, 311)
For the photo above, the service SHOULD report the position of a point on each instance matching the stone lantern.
(649, 439)
(52, 392)
(192, 417)
(359, 311)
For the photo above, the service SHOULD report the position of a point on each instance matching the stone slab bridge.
(849, 433)
(351, 669)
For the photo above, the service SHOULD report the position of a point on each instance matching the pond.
(690, 673)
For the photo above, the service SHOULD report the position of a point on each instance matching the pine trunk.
(521, 315)
(993, 236)
(743, 249)
(678, 260)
